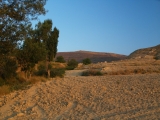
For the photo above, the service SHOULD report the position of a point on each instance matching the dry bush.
(36, 79)
(133, 71)
(5, 89)
(92, 72)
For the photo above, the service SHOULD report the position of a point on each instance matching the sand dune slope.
(131, 97)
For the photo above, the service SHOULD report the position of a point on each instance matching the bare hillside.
(151, 52)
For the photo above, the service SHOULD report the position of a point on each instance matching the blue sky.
(116, 26)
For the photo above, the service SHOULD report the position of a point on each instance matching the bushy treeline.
(21, 45)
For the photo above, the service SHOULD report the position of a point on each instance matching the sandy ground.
(128, 97)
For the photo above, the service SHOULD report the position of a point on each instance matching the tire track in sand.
(70, 106)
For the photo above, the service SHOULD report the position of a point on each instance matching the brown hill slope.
(94, 56)
(151, 52)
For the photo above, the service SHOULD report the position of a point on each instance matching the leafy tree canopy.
(14, 16)
(45, 34)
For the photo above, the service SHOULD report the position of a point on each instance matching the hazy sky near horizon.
(116, 26)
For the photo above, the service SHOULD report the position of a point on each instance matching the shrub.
(92, 73)
(139, 71)
(41, 70)
(15, 83)
(19, 86)
(157, 56)
(57, 72)
(60, 59)
(86, 61)
(5, 89)
(72, 64)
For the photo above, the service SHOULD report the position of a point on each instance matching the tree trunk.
(30, 75)
(47, 63)
(48, 73)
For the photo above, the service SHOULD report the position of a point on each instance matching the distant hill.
(151, 52)
(94, 56)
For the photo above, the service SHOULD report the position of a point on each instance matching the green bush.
(72, 64)
(92, 73)
(57, 72)
(53, 71)
(41, 71)
(60, 59)
(86, 61)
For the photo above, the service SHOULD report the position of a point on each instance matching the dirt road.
(73, 73)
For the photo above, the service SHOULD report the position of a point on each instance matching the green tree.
(52, 43)
(15, 16)
(29, 54)
(86, 61)
(49, 37)
(71, 64)
(60, 59)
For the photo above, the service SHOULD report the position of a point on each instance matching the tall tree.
(14, 16)
(49, 37)
(52, 44)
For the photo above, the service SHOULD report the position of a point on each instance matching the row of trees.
(61, 59)
(20, 44)
(40, 44)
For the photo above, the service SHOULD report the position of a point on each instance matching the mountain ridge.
(94, 56)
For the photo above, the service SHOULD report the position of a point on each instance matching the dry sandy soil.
(121, 97)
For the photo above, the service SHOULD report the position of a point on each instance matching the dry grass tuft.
(36, 79)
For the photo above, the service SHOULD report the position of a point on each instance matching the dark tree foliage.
(52, 43)
(29, 54)
(8, 67)
(15, 16)
(49, 37)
